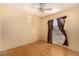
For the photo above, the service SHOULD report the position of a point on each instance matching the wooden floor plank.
(39, 48)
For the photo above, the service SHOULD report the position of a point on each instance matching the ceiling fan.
(42, 7)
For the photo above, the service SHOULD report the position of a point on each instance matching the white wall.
(72, 26)
(18, 28)
(0, 31)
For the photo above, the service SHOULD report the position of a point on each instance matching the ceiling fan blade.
(48, 9)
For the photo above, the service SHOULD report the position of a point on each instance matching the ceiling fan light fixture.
(41, 7)
(42, 4)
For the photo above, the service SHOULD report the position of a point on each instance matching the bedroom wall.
(18, 28)
(71, 26)
(0, 31)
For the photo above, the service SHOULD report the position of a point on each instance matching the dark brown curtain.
(50, 28)
(61, 27)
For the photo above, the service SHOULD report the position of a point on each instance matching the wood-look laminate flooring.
(39, 48)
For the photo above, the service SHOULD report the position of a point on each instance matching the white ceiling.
(56, 7)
